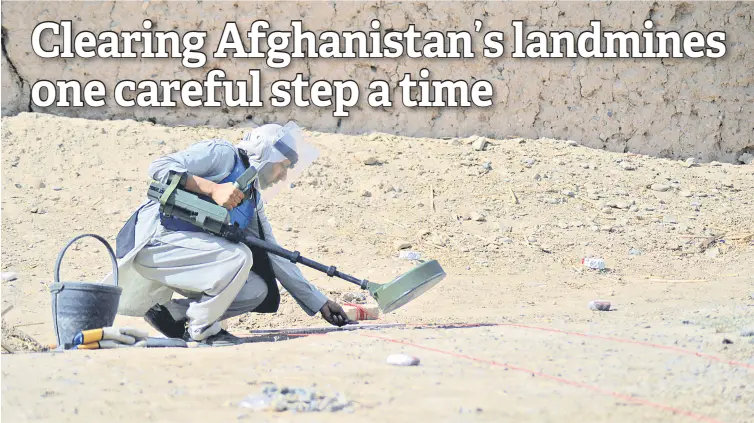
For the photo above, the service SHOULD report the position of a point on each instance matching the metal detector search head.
(407, 286)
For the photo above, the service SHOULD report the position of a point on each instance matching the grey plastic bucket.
(78, 306)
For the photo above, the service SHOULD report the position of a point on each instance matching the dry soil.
(509, 220)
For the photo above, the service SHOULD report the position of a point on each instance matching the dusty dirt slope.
(509, 223)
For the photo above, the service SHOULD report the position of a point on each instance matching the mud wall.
(666, 107)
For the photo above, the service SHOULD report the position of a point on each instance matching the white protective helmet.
(280, 154)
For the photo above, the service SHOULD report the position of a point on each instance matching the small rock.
(487, 166)
(659, 187)
(455, 142)
(690, 162)
(401, 245)
(402, 360)
(366, 193)
(727, 341)
(551, 200)
(715, 163)
(747, 332)
(8, 276)
(594, 197)
(669, 219)
(287, 229)
(584, 165)
(746, 158)
(572, 143)
(537, 176)
(634, 252)
(627, 166)
(568, 193)
(623, 205)
(599, 305)
(528, 161)
(479, 144)
(366, 158)
(506, 240)
(39, 184)
(476, 217)
(685, 193)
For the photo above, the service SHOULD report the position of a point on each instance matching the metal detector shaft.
(296, 257)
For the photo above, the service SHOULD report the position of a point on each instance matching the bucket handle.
(100, 239)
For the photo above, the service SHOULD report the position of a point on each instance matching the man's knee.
(254, 290)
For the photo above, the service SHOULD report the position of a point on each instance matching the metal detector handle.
(100, 239)
(244, 181)
(296, 257)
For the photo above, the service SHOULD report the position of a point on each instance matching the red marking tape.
(624, 397)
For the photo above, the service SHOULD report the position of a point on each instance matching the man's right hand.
(227, 195)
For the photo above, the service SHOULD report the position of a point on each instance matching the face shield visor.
(289, 156)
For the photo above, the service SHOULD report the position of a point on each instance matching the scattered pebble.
(402, 360)
(715, 163)
(669, 219)
(8, 276)
(528, 161)
(747, 332)
(572, 143)
(746, 158)
(627, 166)
(599, 305)
(727, 341)
(402, 245)
(479, 144)
(634, 252)
(366, 158)
(568, 193)
(366, 193)
(477, 217)
(659, 187)
(690, 162)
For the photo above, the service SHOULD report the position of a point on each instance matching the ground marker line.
(555, 378)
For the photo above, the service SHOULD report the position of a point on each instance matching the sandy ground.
(679, 256)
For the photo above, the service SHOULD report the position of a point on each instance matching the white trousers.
(213, 274)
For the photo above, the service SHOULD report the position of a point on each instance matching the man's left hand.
(333, 313)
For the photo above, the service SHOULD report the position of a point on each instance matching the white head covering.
(272, 143)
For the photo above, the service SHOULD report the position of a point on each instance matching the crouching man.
(160, 255)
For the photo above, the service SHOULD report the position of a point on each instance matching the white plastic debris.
(410, 255)
(402, 360)
(595, 263)
(599, 305)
